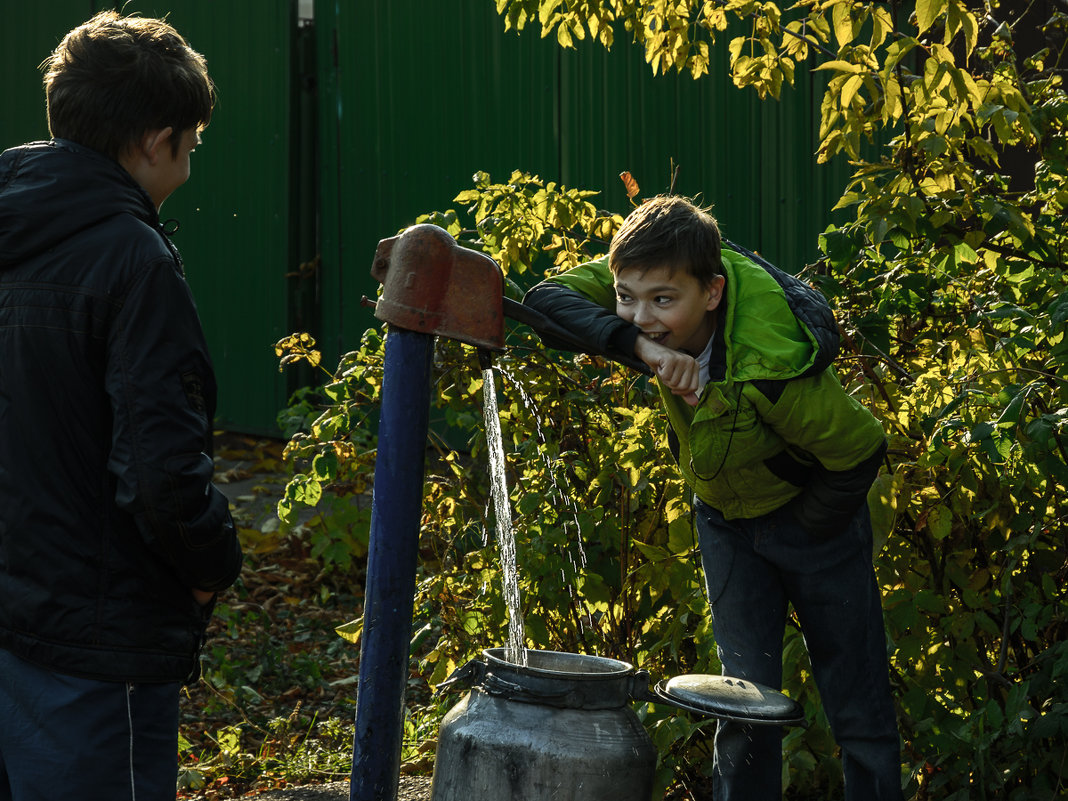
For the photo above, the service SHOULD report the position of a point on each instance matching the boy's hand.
(676, 370)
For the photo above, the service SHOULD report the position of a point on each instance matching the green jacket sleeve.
(592, 280)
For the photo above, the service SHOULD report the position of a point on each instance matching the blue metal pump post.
(389, 595)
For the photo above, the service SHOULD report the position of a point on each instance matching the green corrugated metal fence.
(331, 136)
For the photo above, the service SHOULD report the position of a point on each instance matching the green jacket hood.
(762, 337)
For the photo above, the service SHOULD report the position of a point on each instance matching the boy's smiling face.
(670, 306)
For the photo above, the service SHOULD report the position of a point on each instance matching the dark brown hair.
(114, 78)
(668, 231)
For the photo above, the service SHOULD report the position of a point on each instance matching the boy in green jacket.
(779, 458)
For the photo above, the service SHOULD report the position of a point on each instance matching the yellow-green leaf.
(893, 108)
(882, 24)
(895, 52)
(883, 503)
(940, 522)
(849, 90)
(971, 31)
(841, 66)
(547, 12)
(843, 24)
(927, 11)
(351, 631)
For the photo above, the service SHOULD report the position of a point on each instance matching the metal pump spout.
(431, 285)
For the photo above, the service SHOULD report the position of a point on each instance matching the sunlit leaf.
(927, 11)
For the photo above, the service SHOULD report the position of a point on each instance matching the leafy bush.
(951, 290)
(972, 559)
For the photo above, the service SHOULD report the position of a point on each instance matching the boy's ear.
(715, 291)
(153, 142)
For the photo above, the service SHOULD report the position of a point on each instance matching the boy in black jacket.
(113, 540)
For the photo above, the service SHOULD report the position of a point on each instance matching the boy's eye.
(622, 298)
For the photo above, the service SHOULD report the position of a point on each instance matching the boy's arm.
(591, 328)
(831, 497)
(582, 302)
(161, 386)
(581, 305)
(818, 416)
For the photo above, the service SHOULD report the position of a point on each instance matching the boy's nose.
(642, 315)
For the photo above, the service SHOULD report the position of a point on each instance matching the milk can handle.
(463, 678)
(640, 691)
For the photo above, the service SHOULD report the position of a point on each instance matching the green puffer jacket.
(773, 424)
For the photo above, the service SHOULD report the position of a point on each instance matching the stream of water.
(563, 497)
(515, 649)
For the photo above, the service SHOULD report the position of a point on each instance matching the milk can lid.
(732, 699)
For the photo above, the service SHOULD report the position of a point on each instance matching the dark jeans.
(68, 738)
(753, 570)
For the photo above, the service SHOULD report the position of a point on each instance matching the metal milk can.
(560, 728)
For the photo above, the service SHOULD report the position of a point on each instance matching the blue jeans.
(65, 737)
(753, 570)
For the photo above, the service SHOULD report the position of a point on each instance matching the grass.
(275, 704)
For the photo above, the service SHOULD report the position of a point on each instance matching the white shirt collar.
(702, 364)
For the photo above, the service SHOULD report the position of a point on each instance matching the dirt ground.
(412, 788)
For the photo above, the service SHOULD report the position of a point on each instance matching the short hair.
(114, 78)
(671, 231)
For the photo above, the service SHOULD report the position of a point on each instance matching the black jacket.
(108, 517)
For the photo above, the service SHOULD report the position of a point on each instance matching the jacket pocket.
(719, 442)
(787, 467)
